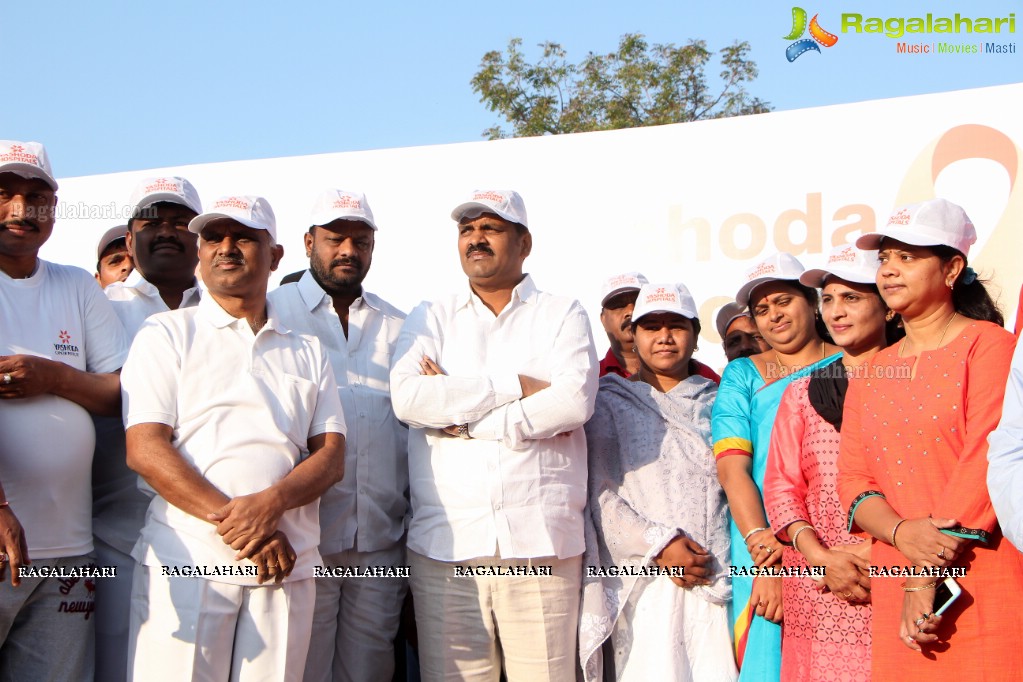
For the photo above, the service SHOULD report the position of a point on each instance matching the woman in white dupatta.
(655, 505)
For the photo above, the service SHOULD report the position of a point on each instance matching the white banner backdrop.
(694, 202)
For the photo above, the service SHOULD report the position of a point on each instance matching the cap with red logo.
(845, 262)
(780, 266)
(339, 204)
(250, 211)
(505, 203)
(619, 284)
(27, 159)
(929, 223)
(664, 298)
(171, 189)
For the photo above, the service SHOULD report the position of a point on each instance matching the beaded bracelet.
(745, 538)
(796, 535)
(928, 586)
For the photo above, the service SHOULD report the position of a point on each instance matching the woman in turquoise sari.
(748, 398)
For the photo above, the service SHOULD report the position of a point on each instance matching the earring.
(950, 285)
(889, 316)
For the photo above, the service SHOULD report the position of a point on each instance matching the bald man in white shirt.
(495, 384)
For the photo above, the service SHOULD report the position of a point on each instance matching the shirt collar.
(220, 318)
(313, 295)
(142, 285)
(524, 292)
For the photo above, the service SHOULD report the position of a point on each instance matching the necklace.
(941, 338)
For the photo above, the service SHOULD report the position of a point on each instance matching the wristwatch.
(463, 431)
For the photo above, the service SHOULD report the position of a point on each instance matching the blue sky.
(121, 86)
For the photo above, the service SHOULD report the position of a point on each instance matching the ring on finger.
(4, 558)
(941, 554)
(8, 378)
(920, 621)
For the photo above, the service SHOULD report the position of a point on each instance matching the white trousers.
(668, 633)
(470, 627)
(205, 631)
(355, 620)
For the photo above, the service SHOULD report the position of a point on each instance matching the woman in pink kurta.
(826, 628)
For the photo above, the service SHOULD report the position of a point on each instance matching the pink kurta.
(823, 637)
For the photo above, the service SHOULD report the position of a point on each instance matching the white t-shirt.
(118, 505)
(46, 442)
(242, 407)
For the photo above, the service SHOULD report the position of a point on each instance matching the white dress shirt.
(518, 487)
(1005, 456)
(367, 509)
(135, 299)
(242, 407)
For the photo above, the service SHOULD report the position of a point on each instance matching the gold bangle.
(895, 528)
(928, 586)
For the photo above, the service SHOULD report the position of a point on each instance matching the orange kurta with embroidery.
(922, 444)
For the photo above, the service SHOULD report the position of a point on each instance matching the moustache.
(173, 241)
(473, 248)
(354, 262)
(229, 260)
(627, 322)
(19, 222)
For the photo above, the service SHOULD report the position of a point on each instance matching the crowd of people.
(204, 479)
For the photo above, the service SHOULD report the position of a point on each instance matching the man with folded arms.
(60, 349)
(166, 255)
(495, 383)
(362, 519)
(235, 422)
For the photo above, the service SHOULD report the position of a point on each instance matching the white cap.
(339, 204)
(619, 284)
(254, 212)
(845, 262)
(27, 159)
(781, 265)
(505, 203)
(171, 189)
(728, 314)
(109, 237)
(664, 298)
(929, 223)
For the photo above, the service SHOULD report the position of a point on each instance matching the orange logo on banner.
(998, 259)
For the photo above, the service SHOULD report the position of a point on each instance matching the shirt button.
(362, 415)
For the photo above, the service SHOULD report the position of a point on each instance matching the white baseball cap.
(250, 211)
(505, 203)
(109, 237)
(928, 223)
(664, 298)
(619, 284)
(728, 314)
(845, 262)
(27, 159)
(780, 266)
(339, 204)
(171, 189)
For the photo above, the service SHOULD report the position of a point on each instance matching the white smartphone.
(945, 593)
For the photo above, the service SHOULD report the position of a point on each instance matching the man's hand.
(687, 553)
(247, 521)
(13, 546)
(275, 558)
(29, 376)
(429, 368)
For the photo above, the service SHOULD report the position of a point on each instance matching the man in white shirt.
(362, 518)
(60, 349)
(235, 422)
(1005, 456)
(166, 255)
(496, 383)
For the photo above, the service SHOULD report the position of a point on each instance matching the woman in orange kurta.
(912, 463)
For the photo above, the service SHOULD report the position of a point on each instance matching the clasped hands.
(248, 524)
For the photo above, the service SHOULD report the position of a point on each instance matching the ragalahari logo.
(804, 45)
